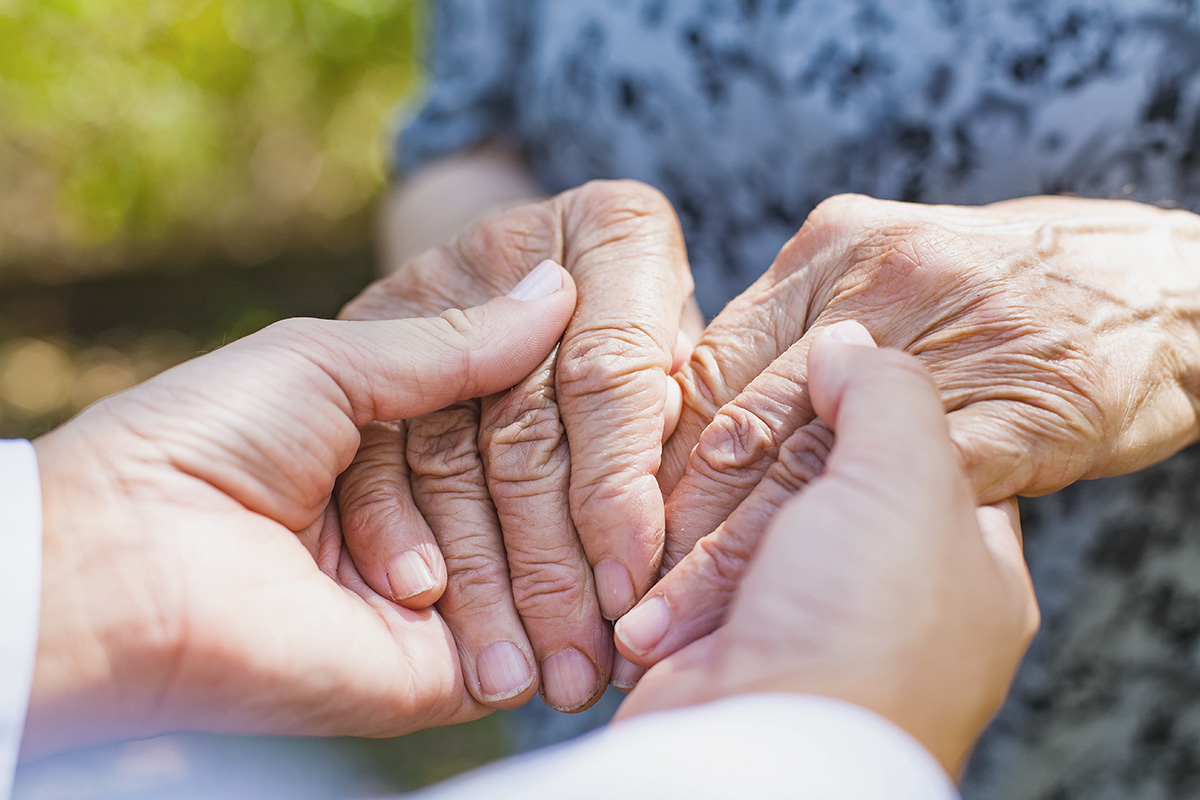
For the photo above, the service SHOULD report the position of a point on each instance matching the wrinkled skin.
(513, 500)
(1060, 332)
(194, 571)
(881, 583)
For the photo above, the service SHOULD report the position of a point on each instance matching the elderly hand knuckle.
(736, 439)
(802, 457)
(443, 444)
(605, 359)
(520, 234)
(550, 589)
(476, 579)
(704, 385)
(527, 468)
(724, 558)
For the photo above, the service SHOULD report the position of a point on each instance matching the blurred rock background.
(175, 174)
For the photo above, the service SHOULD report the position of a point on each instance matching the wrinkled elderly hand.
(881, 583)
(1060, 332)
(195, 575)
(503, 510)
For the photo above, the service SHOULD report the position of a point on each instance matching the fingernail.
(851, 332)
(625, 673)
(614, 588)
(503, 671)
(543, 281)
(409, 575)
(645, 626)
(568, 680)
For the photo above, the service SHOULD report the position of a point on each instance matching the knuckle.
(599, 489)
(724, 559)
(704, 386)
(623, 199)
(604, 214)
(443, 444)
(368, 517)
(548, 591)
(524, 442)
(736, 440)
(845, 206)
(521, 235)
(476, 580)
(802, 457)
(625, 361)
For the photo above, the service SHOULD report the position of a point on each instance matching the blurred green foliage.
(138, 131)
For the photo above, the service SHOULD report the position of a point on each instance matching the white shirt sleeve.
(20, 594)
(760, 746)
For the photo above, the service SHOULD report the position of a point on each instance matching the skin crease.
(510, 501)
(881, 583)
(195, 576)
(1061, 333)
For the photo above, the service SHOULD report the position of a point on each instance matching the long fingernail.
(569, 680)
(626, 674)
(644, 627)
(543, 281)
(503, 671)
(851, 332)
(614, 588)
(409, 575)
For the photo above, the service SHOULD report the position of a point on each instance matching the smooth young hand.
(195, 575)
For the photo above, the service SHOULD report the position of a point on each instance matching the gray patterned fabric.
(747, 113)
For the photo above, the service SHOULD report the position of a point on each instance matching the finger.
(627, 256)
(997, 463)
(892, 436)
(414, 664)
(396, 369)
(672, 408)
(684, 345)
(1000, 526)
(477, 605)
(626, 674)
(393, 547)
(527, 463)
(692, 599)
(736, 449)
(752, 331)
(887, 414)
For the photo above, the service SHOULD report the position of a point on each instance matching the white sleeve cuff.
(761, 746)
(20, 594)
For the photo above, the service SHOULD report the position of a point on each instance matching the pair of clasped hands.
(408, 520)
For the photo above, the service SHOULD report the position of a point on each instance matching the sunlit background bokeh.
(177, 173)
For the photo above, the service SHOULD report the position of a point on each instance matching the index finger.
(624, 247)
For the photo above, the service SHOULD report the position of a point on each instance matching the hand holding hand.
(1061, 334)
(880, 583)
(195, 574)
(533, 515)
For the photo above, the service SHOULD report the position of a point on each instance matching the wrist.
(106, 640)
